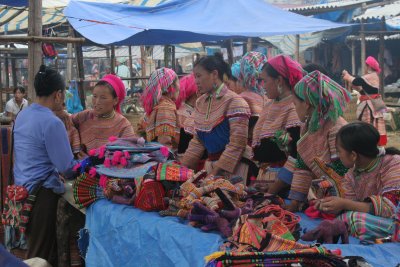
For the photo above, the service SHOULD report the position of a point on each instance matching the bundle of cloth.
(129, 171)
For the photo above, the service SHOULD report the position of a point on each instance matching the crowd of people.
(265, 120)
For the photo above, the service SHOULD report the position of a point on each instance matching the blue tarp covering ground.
(182, 21)
(125, 236)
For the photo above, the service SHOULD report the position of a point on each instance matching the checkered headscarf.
(250, 68)
(159, 83)
(326, 96)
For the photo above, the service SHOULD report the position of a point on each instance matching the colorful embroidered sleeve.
(238, 114)
(384, 204)
(301, 184)
(194, 153)
(80, 117)
(332, 143)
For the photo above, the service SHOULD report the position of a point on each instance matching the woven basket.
(350, 113)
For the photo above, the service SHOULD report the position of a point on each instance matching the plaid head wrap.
(160, 82)
(236, 69)
(326, 96)
(287, 68)
(250, 67)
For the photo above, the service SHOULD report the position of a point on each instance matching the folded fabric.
(173, 172)
(138, 170)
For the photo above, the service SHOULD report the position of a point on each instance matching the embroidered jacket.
(221, 122)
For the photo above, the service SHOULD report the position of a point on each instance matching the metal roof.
(387, 11)
(373, 38)
(334, 5)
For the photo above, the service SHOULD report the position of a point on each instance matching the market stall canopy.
(182, 21)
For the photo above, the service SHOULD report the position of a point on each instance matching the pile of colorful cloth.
(129, 171)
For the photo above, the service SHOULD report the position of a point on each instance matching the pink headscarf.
(371, 61)
(287, 68)
(160, 81)
(119, 88)
(187, 88)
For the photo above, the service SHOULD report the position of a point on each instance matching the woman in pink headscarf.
(159, 98)
(96, 125)
(368, 86)
(186, 102)
(278, 128)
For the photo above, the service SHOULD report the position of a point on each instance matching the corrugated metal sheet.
(387, 11)
(373, 38)
(330, 5)
(52, 13)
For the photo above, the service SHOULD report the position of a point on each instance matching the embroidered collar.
(371, 166)
(219, 92)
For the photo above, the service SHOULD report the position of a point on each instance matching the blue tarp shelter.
(182, 21)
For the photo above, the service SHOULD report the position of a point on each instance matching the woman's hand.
(331, 205)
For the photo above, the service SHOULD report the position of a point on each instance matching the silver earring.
(214, 86)
(280, 89)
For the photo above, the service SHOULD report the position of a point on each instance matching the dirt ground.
(394, 139)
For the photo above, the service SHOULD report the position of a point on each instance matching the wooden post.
(1, 85)
(6, 68)
(229, 48)
(112, 59)
(143, 57)
(363, 48)
(297, 51)
(132, 82)
(166, 55)
(353, 57)
(68, 73)
(249, 44)
(34, 48)
(173, 61)
(80, 73)
(382, 59)
(14, 72)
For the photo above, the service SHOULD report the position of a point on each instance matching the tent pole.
(143, 59)
(112, 59)
(81, 73)
(363, 48)
(353, 57)
(34, 48)
(382, 59)
(297, 51)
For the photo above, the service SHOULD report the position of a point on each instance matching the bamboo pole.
(1, 85)
(173, 61)
(38, 39)
(34, 47)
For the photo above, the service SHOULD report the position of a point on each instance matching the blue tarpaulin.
(182, 21)
(120, 235)
(18, 3)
